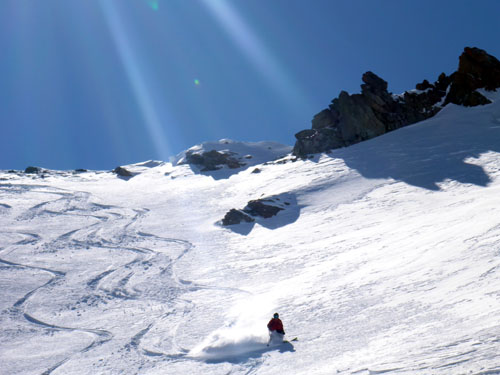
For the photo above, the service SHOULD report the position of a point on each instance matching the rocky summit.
(354, 118)
(212, 160)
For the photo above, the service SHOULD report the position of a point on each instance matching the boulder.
(235, 216)
(262, 208)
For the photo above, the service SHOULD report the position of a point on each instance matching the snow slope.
(387, 261)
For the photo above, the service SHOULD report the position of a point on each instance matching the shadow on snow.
(433, 151)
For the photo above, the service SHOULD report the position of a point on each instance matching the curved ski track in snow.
(113, 230)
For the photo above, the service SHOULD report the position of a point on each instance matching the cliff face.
(354, 118)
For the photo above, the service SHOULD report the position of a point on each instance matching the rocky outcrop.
(212, 160)
(354, 118)
(262, 207)
(122, 172)
(235, 216)
(476, 69)
(258, 208)
(32, 170)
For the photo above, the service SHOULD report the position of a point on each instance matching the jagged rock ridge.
(354, 118)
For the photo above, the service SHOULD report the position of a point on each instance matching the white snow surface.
(387, 260)
(250, 153)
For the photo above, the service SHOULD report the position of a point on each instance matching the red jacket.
(275, 324)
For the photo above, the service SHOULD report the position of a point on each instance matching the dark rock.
(310, 140)
(476, 69)
(474, 99)
(484, 68)
(235, 216)
(256, 170)
(80, 170)
(443, 82)
(325, 119)
(122, 172)
(212, 160)
(463, 95)
(11, 171)
(354, 118)
(424, 85)
(261, 207)
(32, 170)
(373, 83)
(358, 120)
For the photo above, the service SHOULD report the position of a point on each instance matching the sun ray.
(255, 50)
(142, 92)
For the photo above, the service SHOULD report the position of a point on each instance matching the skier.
(275, 327)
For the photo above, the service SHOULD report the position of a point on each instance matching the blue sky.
(100, 83)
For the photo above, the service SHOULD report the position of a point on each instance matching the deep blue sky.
(99, 83)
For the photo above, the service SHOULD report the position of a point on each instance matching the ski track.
(93, 235)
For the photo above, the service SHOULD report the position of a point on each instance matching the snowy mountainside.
(246, 153)
(387, 261)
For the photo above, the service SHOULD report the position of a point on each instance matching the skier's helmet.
(276, 315)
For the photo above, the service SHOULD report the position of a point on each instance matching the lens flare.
(196, 82)
(154, 4)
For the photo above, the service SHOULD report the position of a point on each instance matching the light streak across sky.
(137, 80)
(255, 50)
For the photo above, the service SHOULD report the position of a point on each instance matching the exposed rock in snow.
(122, 172)
(265, 208)
(31, 170)
(234, 216)
(476, 69)
(354, 118)
(226, 157)
(212, 160)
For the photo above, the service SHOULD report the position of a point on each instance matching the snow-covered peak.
(249, 153)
